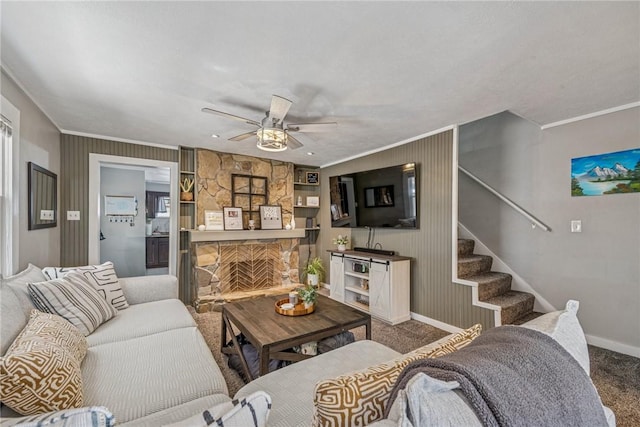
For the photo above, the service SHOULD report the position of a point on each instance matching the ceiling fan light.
(271, 139)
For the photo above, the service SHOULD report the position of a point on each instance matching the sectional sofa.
(150, 366)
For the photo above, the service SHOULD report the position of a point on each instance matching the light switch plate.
(73, 215)
(576, 226)
(46, 214)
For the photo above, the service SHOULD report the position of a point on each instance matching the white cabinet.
(375, 283)
(336, 277)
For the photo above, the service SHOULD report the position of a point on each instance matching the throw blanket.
(513, 376)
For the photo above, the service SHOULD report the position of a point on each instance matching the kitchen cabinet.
(157, 204)
(157, 251)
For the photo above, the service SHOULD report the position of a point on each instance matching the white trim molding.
(435, 323)
(125, 140)
(591, 115)
(11, 211)
(613, 345)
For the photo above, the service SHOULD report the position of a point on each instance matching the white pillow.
(18, 283)
(73, 298)
(102, 277)
(564, 327)
(250, 411)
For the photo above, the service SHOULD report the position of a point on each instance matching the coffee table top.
(258, 320)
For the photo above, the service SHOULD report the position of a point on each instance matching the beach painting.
(610, 173)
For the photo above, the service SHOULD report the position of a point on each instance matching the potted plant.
(341, 241)
(185, 189)
(314, 271)
(308, 294)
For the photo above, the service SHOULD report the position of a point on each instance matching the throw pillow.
(18, 283)
(361, 397)
(252, 410)
(102, 277)
(41, 370)
(564, 327)
(88, 416)
(73, 298)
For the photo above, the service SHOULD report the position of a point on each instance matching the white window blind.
(6, 196)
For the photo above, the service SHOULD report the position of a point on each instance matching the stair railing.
(535, 222)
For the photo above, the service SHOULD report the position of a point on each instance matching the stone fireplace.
(227, 270)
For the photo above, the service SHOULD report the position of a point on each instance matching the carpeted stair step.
(514, 305)
(491, 284)
(473, 265)
(527, 317)
(465, 247)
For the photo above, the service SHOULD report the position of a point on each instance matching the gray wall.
(39, 143)
(124, 245)
(74, 181)
(600, 267)
(432, 292)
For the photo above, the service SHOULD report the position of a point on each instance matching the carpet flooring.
(615, 375)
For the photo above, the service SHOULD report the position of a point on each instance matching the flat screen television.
(384, 198)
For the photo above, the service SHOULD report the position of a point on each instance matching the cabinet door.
(150, 204)
(163, 251)
(379, 279)
(152, 252)
(336, 276)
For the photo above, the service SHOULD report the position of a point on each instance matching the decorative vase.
(342, 248)
(312, 279)
(186, 196)
(308, 304)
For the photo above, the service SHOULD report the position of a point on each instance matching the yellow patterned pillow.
(360, 398)
(41, 370)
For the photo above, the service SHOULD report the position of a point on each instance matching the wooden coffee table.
(271, 333)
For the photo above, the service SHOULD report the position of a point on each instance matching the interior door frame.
(96, 161)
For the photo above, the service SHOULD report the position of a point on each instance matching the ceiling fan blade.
(311, 127)
(279, 107)
(242, 136)
(293, 143)
(230, 116)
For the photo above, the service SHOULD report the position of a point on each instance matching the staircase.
(493, 287)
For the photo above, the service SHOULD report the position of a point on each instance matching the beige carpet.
(616, 376)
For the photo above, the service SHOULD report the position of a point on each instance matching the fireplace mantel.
(221, 236)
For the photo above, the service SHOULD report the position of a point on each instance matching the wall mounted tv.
(386, 198)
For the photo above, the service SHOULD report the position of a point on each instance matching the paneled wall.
(74, 186)
(432, 292)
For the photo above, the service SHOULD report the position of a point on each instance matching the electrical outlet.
(576, 226)
(73, 215)
(46, 215)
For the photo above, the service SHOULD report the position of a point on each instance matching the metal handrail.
(534, 221)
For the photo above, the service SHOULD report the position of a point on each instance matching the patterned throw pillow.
(73, 298)
(88, 416)
(361, 397)
(41, 370)
(103, 277)
(250, 411)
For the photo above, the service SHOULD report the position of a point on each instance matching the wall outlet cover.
(73, 215)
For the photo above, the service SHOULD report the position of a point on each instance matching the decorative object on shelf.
(213, 220)
(201, 227)
(293, 222)
(300, 177)
(314, 270)
(313, 177)
(309, 295)
(252, 224)
(287, 227)
(313, 201)
(232, 218)
(299, 201)
(341, 241)
(186, 185)
(271, 217)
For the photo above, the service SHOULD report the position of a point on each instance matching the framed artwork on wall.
(271, 217)
(232, 218)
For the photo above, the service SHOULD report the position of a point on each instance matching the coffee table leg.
(227, 324)
(368, 329)
(264, 360)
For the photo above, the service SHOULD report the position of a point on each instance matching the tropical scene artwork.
(610, 173)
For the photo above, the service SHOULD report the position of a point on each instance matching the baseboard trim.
(435, 323)
(613, 346)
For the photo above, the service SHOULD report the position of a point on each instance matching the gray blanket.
(514, 376)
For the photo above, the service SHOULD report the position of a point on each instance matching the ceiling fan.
(272, 133)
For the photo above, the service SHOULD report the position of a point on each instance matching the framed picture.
(232, 218)
(313, 201)
(313, 177)
(271, 217)
(213, 220)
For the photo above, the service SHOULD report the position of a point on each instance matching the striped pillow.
(103, 278)
(250, 411)
(361, 397)
(74, 299)
(88, 416)
(41, 370)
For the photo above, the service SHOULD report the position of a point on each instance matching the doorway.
(122, 238)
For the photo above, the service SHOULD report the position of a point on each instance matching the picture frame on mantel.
(271, 217)
(213, 220)
(232, 218)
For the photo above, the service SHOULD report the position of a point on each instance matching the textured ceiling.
(385, 71)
